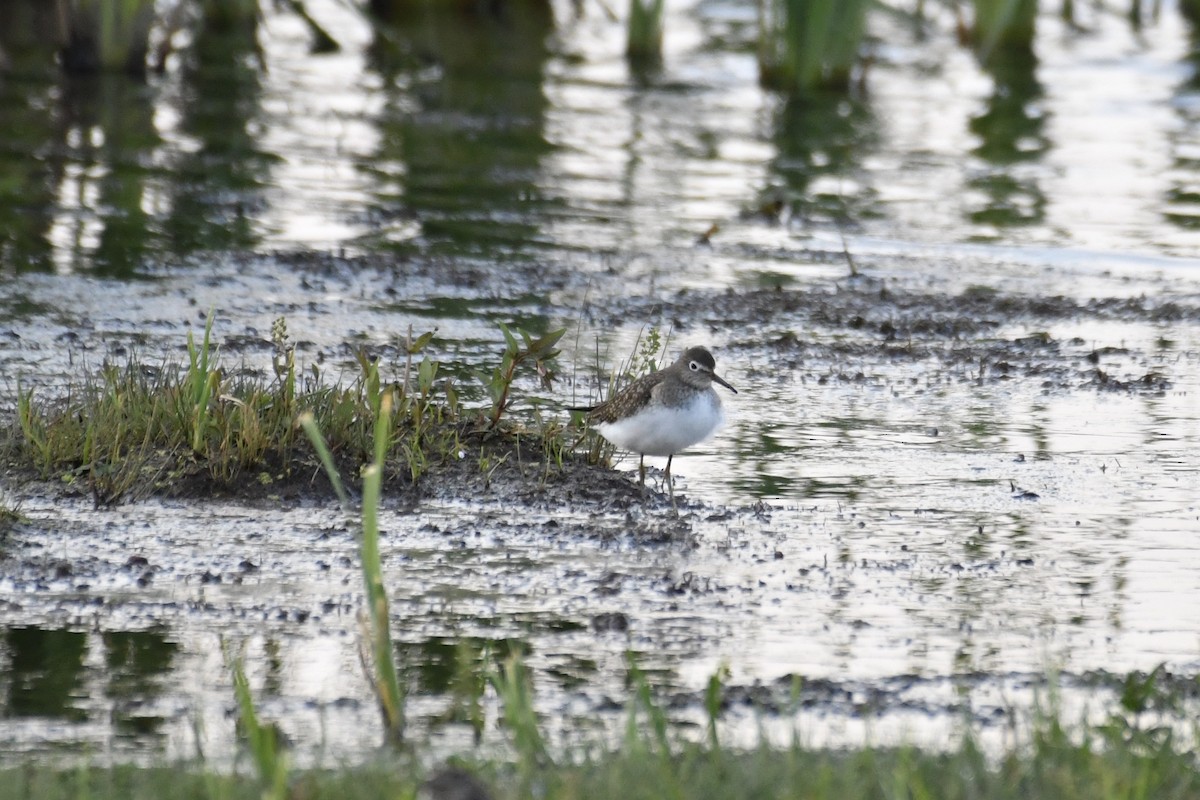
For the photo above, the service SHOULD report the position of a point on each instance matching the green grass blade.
(309, 423)
(391, 696)
(269, 759)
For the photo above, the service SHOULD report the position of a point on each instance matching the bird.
(664, 412)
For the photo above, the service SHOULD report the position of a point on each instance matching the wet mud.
(579, 566)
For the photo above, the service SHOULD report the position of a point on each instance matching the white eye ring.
(695, 367)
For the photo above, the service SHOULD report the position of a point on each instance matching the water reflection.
(103, 174)
(822, 142)
(29, 174)
(1182, 206)
(28, 184)
(108, 138)
(459, 159)
(1011, 131)
(137, 665)
(49, 673)
(220, 168)
(45, 673)
(442, 665)
(448, 130)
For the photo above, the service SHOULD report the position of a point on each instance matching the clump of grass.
(136, 429)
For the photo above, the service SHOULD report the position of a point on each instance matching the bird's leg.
(642, 470)
(670, 484)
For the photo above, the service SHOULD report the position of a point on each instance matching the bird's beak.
(723, 382)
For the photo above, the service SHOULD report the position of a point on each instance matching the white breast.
(663, 431)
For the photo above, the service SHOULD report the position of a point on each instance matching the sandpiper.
(664, 412)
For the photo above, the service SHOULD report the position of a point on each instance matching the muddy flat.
(931, 492)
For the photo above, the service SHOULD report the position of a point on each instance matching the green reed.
(270, 757)
(198, 384)
(107, 35)
(644, 32)
(538, 353)
(388, 689)
(1006, 25)
(806, 45)
(376, 625)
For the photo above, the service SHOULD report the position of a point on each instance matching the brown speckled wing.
(628, 401)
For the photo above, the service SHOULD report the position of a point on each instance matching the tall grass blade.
(33, 432)
(387, 684)
(269, 758)
(203, 384)
(513, 685)
(309, 423)
(377, 625)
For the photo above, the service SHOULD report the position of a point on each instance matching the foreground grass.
(1053, 767)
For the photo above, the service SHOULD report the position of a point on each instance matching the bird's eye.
(695, 367)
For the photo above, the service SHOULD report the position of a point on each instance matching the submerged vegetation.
(137, 429)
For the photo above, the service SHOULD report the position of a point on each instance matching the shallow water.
(904, 520)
